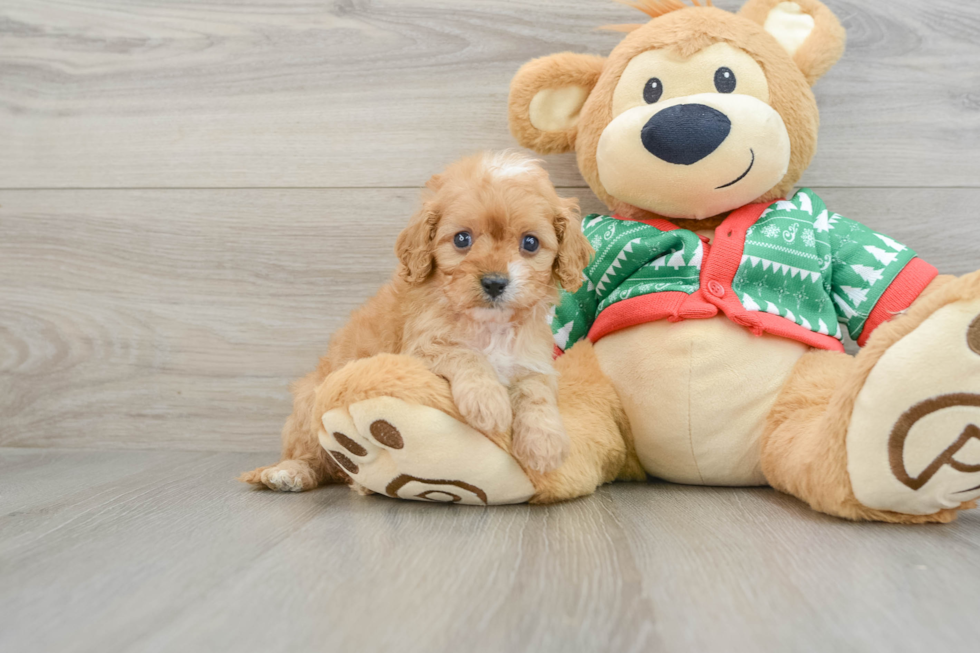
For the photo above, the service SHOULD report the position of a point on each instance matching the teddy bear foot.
(913, 445)
(409, 451)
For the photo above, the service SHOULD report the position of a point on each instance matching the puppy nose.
(494, 284)
(685, 133)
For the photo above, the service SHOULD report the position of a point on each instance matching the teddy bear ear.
(546, 97)
(806, 29)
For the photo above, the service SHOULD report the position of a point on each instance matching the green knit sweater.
(791, 268)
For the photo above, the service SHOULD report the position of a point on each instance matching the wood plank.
(760, 571)
(112, 93)
(176, 319)
(190, 309)
(123, 553)
(43, 490)
(178, 556)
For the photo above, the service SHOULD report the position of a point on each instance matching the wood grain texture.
(353, 93)
(171, 321)
(163, 551)
(176, 319)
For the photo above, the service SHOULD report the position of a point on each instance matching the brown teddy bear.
(705, 344)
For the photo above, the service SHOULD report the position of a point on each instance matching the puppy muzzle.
(494, 285)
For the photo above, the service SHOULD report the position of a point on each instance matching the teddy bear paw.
(409, 451)
(913, 445)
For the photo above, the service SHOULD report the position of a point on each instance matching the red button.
(716, 289)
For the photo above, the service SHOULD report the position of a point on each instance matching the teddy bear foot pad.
(408, 451)
(914, 439)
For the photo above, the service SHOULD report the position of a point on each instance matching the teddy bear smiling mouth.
(743, 175)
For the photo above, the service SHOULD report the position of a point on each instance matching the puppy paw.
(485, 406)
(288, 476)
(540, 441)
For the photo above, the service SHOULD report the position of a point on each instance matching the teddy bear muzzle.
(694, 157)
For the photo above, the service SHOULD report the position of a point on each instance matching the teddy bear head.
(694, 114)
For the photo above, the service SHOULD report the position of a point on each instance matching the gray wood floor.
(193, 195)
(163, 551)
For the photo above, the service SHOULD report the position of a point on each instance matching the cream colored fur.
(715, 384)
(496, 353)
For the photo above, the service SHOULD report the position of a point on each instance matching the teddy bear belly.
(697, 394)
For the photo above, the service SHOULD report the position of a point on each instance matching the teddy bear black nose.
(494, 285)
(685, 133)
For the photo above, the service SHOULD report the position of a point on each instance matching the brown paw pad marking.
(973, 336)
(349, 444)
(387, 434)
(344, 461)
(438, 493)
(900, 432)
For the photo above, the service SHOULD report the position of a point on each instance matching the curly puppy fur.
(496, 352)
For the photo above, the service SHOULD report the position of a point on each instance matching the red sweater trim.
(904, 290)
(639, 310)
(722, 259)
(716, 294)
(780, 326)
(719, 271)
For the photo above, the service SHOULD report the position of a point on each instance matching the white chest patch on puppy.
(497, 342)
(493, 334)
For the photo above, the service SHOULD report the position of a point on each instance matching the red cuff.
(638, 310)
(905, 289)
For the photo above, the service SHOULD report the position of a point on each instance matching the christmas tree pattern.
(800, 262)
(631, 259)
(816, 268)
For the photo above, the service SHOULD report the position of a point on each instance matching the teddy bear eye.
(725, 80)
(653, 90)
(463, 240)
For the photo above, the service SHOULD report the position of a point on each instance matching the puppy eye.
(725, 80)
(463, 240)
(530, 244)
(653, 90)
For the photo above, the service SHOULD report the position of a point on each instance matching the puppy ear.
(574, 250)
(414, 246)
(546, 97)
(806, 29)
(435, 183)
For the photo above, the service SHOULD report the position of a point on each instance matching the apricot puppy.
(480, 266)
